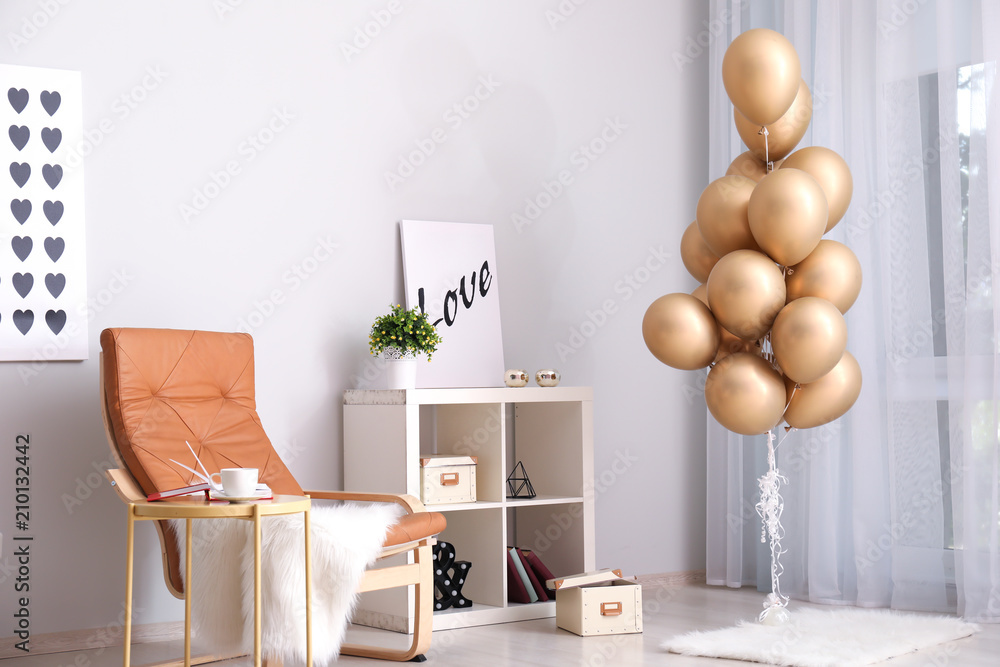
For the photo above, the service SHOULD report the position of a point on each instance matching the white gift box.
(447, 479)
(598, 603)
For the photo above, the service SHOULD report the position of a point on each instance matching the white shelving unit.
(550, 430)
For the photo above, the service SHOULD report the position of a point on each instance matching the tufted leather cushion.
(164, 387)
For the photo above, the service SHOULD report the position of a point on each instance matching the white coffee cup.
(238, 482)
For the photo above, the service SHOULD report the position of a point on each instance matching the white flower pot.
(401, 373)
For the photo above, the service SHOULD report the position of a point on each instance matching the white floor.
(668, 611)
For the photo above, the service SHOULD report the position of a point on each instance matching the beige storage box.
(447, 479)
(598, 603)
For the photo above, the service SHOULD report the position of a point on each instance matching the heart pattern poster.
(43, 290)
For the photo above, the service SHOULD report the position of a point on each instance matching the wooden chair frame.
(419, 573)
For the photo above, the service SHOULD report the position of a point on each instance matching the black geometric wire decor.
(518, 484)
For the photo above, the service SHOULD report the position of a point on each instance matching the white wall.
(343, 120)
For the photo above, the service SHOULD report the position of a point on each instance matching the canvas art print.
(43, 291)
(450, 272)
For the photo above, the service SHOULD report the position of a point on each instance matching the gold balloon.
(732, 344)
(701, 293)
(722, 215)
(784, 134)
(745, 394)
(787, 214)
(831, 272)
(809, 336)
(827, 398)
(698, 258)
(747, 164)
(745, 292)
(680, 331)
(761, 73)
(833, 175)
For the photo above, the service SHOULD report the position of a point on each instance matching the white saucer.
(237, 499)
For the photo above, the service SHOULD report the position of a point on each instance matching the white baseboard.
(382, 621)
(687, 578)
(94, 638)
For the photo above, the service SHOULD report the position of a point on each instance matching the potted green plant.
(399, 337)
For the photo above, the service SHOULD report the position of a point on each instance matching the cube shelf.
(549, 430)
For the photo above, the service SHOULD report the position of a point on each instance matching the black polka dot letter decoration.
(449, 578)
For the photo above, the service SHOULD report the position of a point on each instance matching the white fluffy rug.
(346, 539)
(825, 638)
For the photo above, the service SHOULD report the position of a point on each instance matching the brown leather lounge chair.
(160, 387)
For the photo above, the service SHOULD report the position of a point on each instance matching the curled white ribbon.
(770, 508)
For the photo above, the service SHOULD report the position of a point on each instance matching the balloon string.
(794, 389)
(788, 429)
(770, 508)
(767, 156)
(767, 351)
(788, 432)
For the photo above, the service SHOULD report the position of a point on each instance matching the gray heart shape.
(54, 247)
(18, 98)
(21, 246)
(21, 208)
(19, 136)
(52, 173)
(23, 283)
(55, 283)
(51, 138)
(50, 101)
(53, 211)
(20, 172)
(56, 319)
(23, 319)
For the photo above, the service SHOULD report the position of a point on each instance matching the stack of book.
(526, 577)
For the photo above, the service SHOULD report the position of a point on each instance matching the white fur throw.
(346, 539)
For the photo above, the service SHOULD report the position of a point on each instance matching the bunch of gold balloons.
(769, 314)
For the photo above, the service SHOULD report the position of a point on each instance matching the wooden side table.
(190, 508)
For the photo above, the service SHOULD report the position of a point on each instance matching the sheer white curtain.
(898, 502)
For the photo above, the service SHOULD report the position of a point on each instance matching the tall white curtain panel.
(897, 503)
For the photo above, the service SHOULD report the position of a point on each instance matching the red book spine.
(539, 586)
(543, 573)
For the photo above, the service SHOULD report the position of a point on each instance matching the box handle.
(611, 609)
(449, 479)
